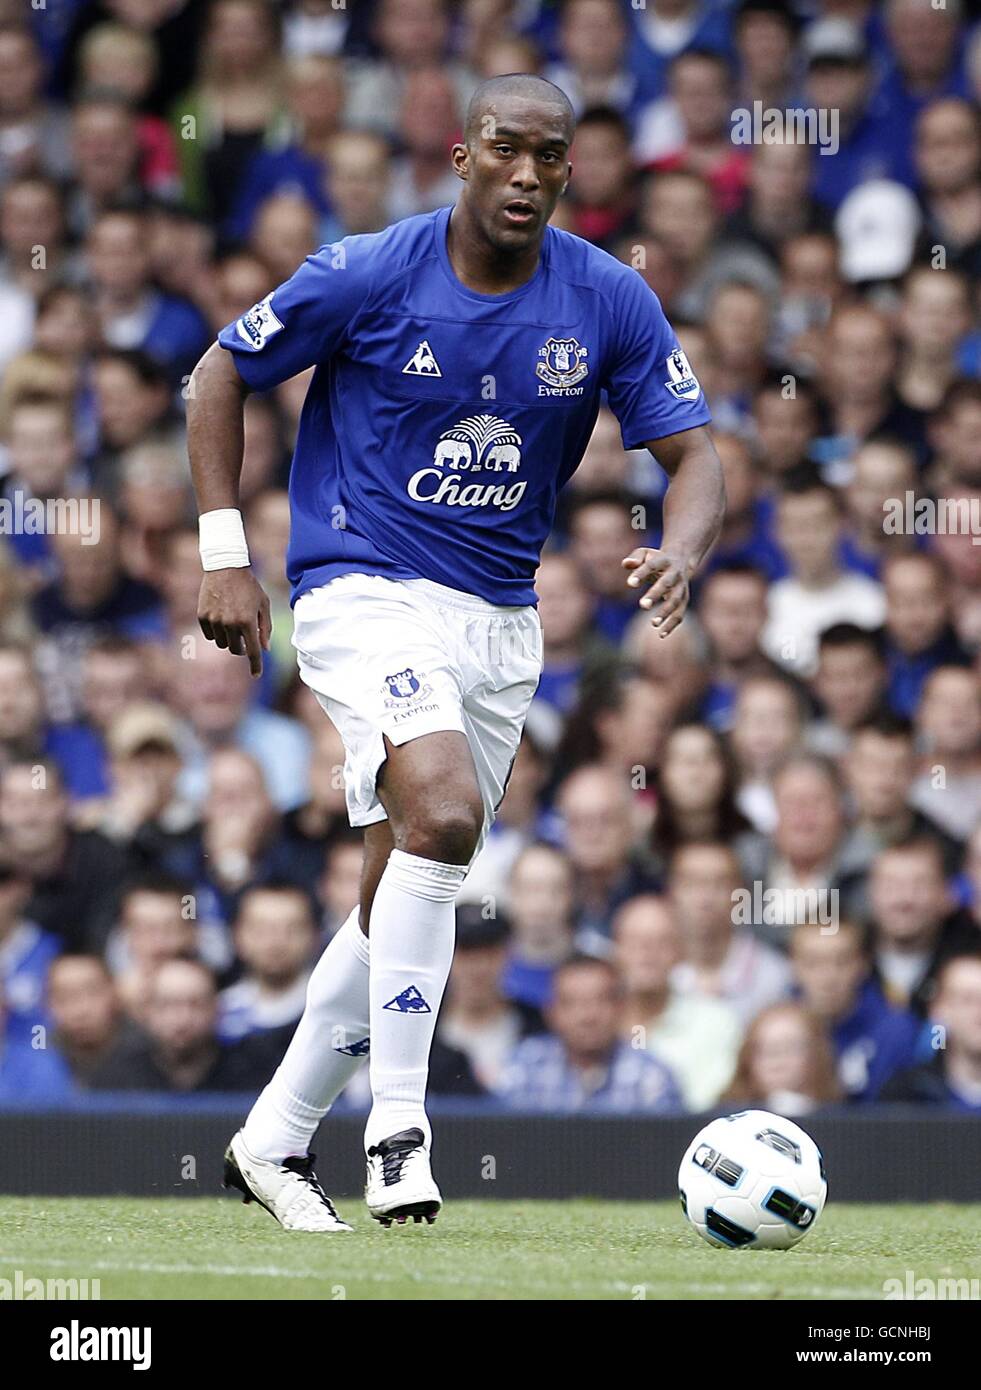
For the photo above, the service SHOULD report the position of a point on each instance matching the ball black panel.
(728, 1231)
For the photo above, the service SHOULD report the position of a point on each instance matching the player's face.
(515, 168)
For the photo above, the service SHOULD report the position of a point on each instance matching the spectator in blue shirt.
(849, 684)
(840, 79)
(872, 1040)
(591, 68)
(86, 1014)
(44, 463)
(74, 874)
(664, 28)
(32, 1071)
(276, 939)
(927, 62)
(919, 636)
(732, 611)
(92, 598)
(315, 97)
(883, 468)
(747, 533)
(583, 1064)
(213, 691)
(948, 167)
(566, 609)
(541, 907)
(603, 527)
(113, 676)
(952, 1080)
(601, 814)
(132, 312)
(26, 951)
(32, 1075)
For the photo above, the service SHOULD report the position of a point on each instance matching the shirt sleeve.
(301, 323)
(650, 387)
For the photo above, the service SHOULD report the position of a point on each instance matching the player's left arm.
(694, 507)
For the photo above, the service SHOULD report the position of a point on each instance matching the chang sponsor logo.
(479, 444)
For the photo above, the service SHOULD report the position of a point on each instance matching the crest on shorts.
(403, 685)
(562, 362)
(405, 688)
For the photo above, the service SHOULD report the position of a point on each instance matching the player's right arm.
(233, 610)
(298, 325)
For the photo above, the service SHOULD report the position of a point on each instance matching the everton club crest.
(562, 362)
(405, 690)
(403, 685)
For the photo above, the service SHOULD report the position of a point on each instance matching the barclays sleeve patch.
(682, 381)
(256, 327)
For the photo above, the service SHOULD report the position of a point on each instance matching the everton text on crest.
(561, 364)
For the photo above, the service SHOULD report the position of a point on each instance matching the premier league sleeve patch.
(256, 327)
(682, 382)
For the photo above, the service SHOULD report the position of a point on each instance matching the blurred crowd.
(174, 847)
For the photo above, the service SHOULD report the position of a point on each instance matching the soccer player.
(460, 359)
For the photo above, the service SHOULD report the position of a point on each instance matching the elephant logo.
(457, 453)
(503, 456)
(480, 441)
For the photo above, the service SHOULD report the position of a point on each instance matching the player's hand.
(667, 581)
(233, 612)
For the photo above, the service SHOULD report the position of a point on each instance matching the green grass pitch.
(215, 1248)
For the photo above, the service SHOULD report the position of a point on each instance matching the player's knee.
(447, 833)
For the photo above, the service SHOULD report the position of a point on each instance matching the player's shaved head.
(485, 100)
(515, 163)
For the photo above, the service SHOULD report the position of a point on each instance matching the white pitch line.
(670, 1287)
(147, 1267)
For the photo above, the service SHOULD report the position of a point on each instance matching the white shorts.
(407, 657)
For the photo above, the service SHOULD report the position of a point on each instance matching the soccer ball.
(752, 1181)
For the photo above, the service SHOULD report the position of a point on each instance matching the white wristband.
(221, 540)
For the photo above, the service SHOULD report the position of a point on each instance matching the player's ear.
(568, 176)
(460, 160)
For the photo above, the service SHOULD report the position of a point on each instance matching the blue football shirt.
(440, 423)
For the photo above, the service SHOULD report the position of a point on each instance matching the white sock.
(314, 1070)
(412, 932)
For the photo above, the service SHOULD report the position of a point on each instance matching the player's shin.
(412, 932)
(330, 1044)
